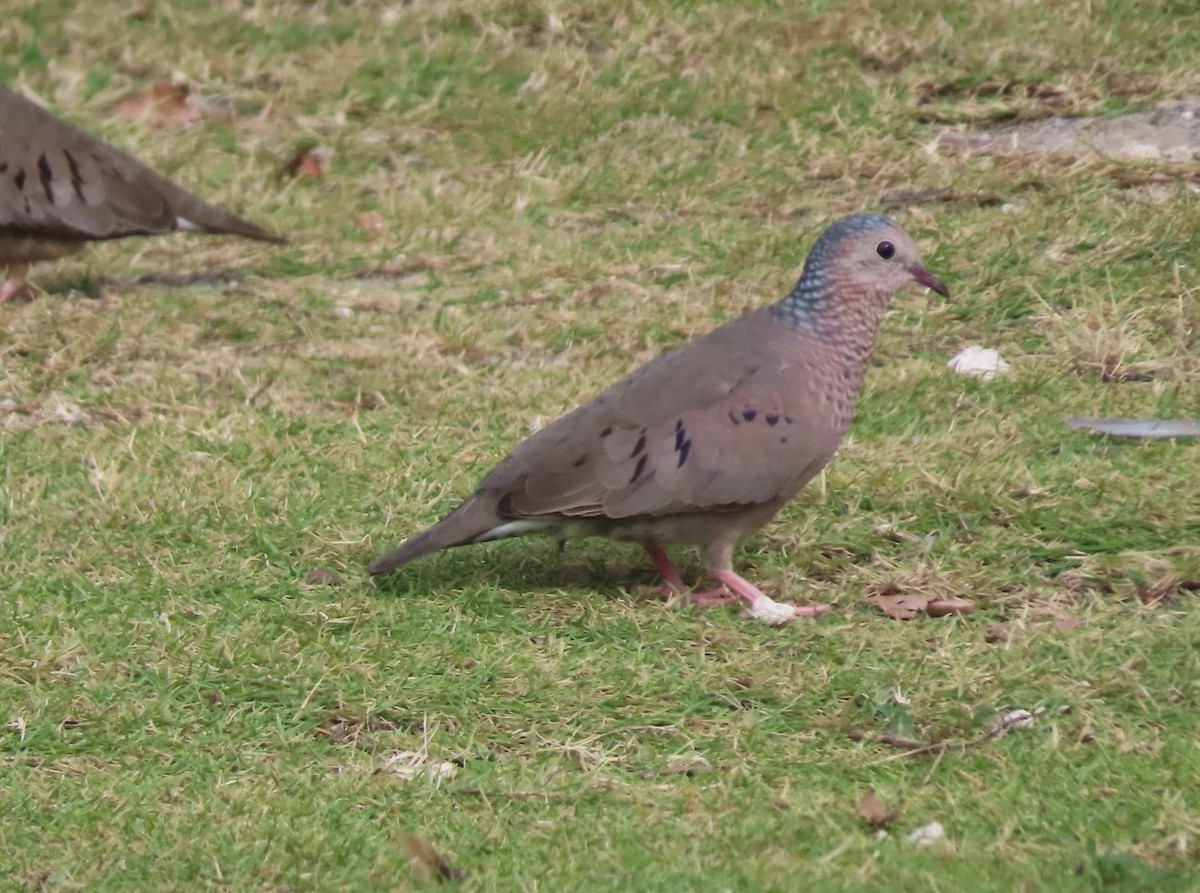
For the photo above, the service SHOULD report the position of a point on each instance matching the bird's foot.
(680, 595)
(775, 613)
(762, 606)
(710, 598)
(12, 288)
(732, 589)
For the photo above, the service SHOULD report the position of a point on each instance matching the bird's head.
(873, 253)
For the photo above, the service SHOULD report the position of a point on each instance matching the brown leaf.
(1066, 622)
(873, 811)
(902, 606)
(162, 105)
(308, 163)
(427, 863)
(999, 632)
(944, 607)
(1150, 595)
(322, 576)
(369, 222)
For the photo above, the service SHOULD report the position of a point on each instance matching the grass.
(190, 427)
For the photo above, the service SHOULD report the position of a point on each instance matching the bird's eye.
(885, 249)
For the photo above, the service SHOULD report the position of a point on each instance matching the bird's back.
(59, 183)
(742, 416)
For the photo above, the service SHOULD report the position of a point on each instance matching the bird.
(61, 188)
(704, 444)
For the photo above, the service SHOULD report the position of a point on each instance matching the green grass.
(189, 427)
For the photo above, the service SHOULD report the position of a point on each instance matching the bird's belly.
(695, 528)
(29, 249)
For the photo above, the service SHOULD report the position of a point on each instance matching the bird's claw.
(775, 613)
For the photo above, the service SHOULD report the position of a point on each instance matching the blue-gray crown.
(803, 301)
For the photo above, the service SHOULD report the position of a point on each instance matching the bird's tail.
(195, 212)
(471, 522)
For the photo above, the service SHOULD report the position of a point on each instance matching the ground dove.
(61, 188)
(706, 443)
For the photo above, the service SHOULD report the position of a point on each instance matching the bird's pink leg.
(14, 284)
(732, 587)
(719, 562)
(666, 570)
(676, 588)
(762, 607)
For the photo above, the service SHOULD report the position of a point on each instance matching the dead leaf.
(873, 811)
(369, 222)
(902, 606)
(1164, 592)
(322, 576)
(427, 863)
(162, 105)
(944, 607)
(307, 164)
(1066, 623)
(999, 632)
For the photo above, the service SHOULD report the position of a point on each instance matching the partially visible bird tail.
(193, 212)
(471, 522)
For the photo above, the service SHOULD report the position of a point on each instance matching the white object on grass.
(927, 835)
(1137, 427)
(981, 362)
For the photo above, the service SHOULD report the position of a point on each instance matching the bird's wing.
(724, 422)
(58, 182)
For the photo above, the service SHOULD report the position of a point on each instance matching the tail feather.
(469, 523)
(211, 219)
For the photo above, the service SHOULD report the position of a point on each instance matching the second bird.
(705, 444)
(61, 188)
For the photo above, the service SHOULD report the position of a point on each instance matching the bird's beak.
(927, 279)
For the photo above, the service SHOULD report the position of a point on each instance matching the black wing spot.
(607, 431)
(749, 414)
(46, 175)
(680, 435)
(581, 461)
(640, 445)
(684, 449)
(19, 178)
(76, 175)
(772, 420)
(638, 469)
